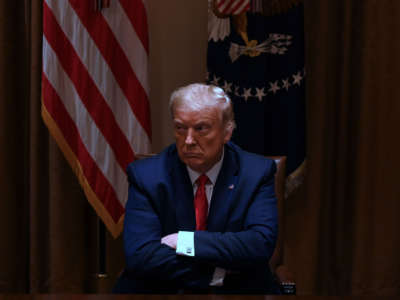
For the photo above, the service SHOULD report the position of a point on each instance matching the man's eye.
(202, 128)
(179, 128)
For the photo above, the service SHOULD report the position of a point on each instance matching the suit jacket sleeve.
(146, 257)
(253, 246)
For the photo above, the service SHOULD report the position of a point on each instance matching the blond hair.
(199, 96)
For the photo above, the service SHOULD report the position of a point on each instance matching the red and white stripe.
(232, 7)
(95, 94)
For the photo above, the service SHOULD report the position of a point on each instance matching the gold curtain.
(344, 231)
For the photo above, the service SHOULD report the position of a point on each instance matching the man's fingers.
(170, 240)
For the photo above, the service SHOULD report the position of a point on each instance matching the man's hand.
(170, 240)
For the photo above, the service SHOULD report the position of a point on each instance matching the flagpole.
(101, 246)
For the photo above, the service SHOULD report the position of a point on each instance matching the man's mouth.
(192, 155)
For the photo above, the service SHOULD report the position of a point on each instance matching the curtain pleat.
(48, 231)
(343, 229)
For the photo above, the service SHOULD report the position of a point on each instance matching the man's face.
(200, 137)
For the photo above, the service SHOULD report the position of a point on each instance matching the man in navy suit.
(184, 234)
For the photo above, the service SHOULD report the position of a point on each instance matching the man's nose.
(189, 137)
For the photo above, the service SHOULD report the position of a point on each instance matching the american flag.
(95, 94)
(232, 7)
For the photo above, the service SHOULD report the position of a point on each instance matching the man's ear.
(228, 132)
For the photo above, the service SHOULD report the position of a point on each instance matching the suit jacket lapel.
(183, 196)
(221, 200)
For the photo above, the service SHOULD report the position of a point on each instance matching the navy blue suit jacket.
(241, 226)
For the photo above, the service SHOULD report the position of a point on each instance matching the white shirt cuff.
(185, 243)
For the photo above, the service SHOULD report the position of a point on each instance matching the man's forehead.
(197, 116)
(196, 121)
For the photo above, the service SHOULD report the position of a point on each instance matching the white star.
(227, 87)
(247, 94)
(274, 87)
(237, 91)
(260, 93)
(286, 84)
(297, 78)
(215, 81)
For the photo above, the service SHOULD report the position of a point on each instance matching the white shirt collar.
(212, 174)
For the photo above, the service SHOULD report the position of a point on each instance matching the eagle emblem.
(220, 12)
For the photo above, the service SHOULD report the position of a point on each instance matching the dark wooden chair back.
(282, 273)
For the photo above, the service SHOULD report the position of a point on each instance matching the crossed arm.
(149, 254)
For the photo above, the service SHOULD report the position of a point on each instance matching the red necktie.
(200, 203)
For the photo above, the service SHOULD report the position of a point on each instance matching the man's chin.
(192, 158)
(194, 163)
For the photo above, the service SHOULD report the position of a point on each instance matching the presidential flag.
(256, 54)
(95, 94)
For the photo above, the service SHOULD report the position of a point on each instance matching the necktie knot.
(202, 180)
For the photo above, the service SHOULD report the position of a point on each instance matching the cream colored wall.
(178, 44)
